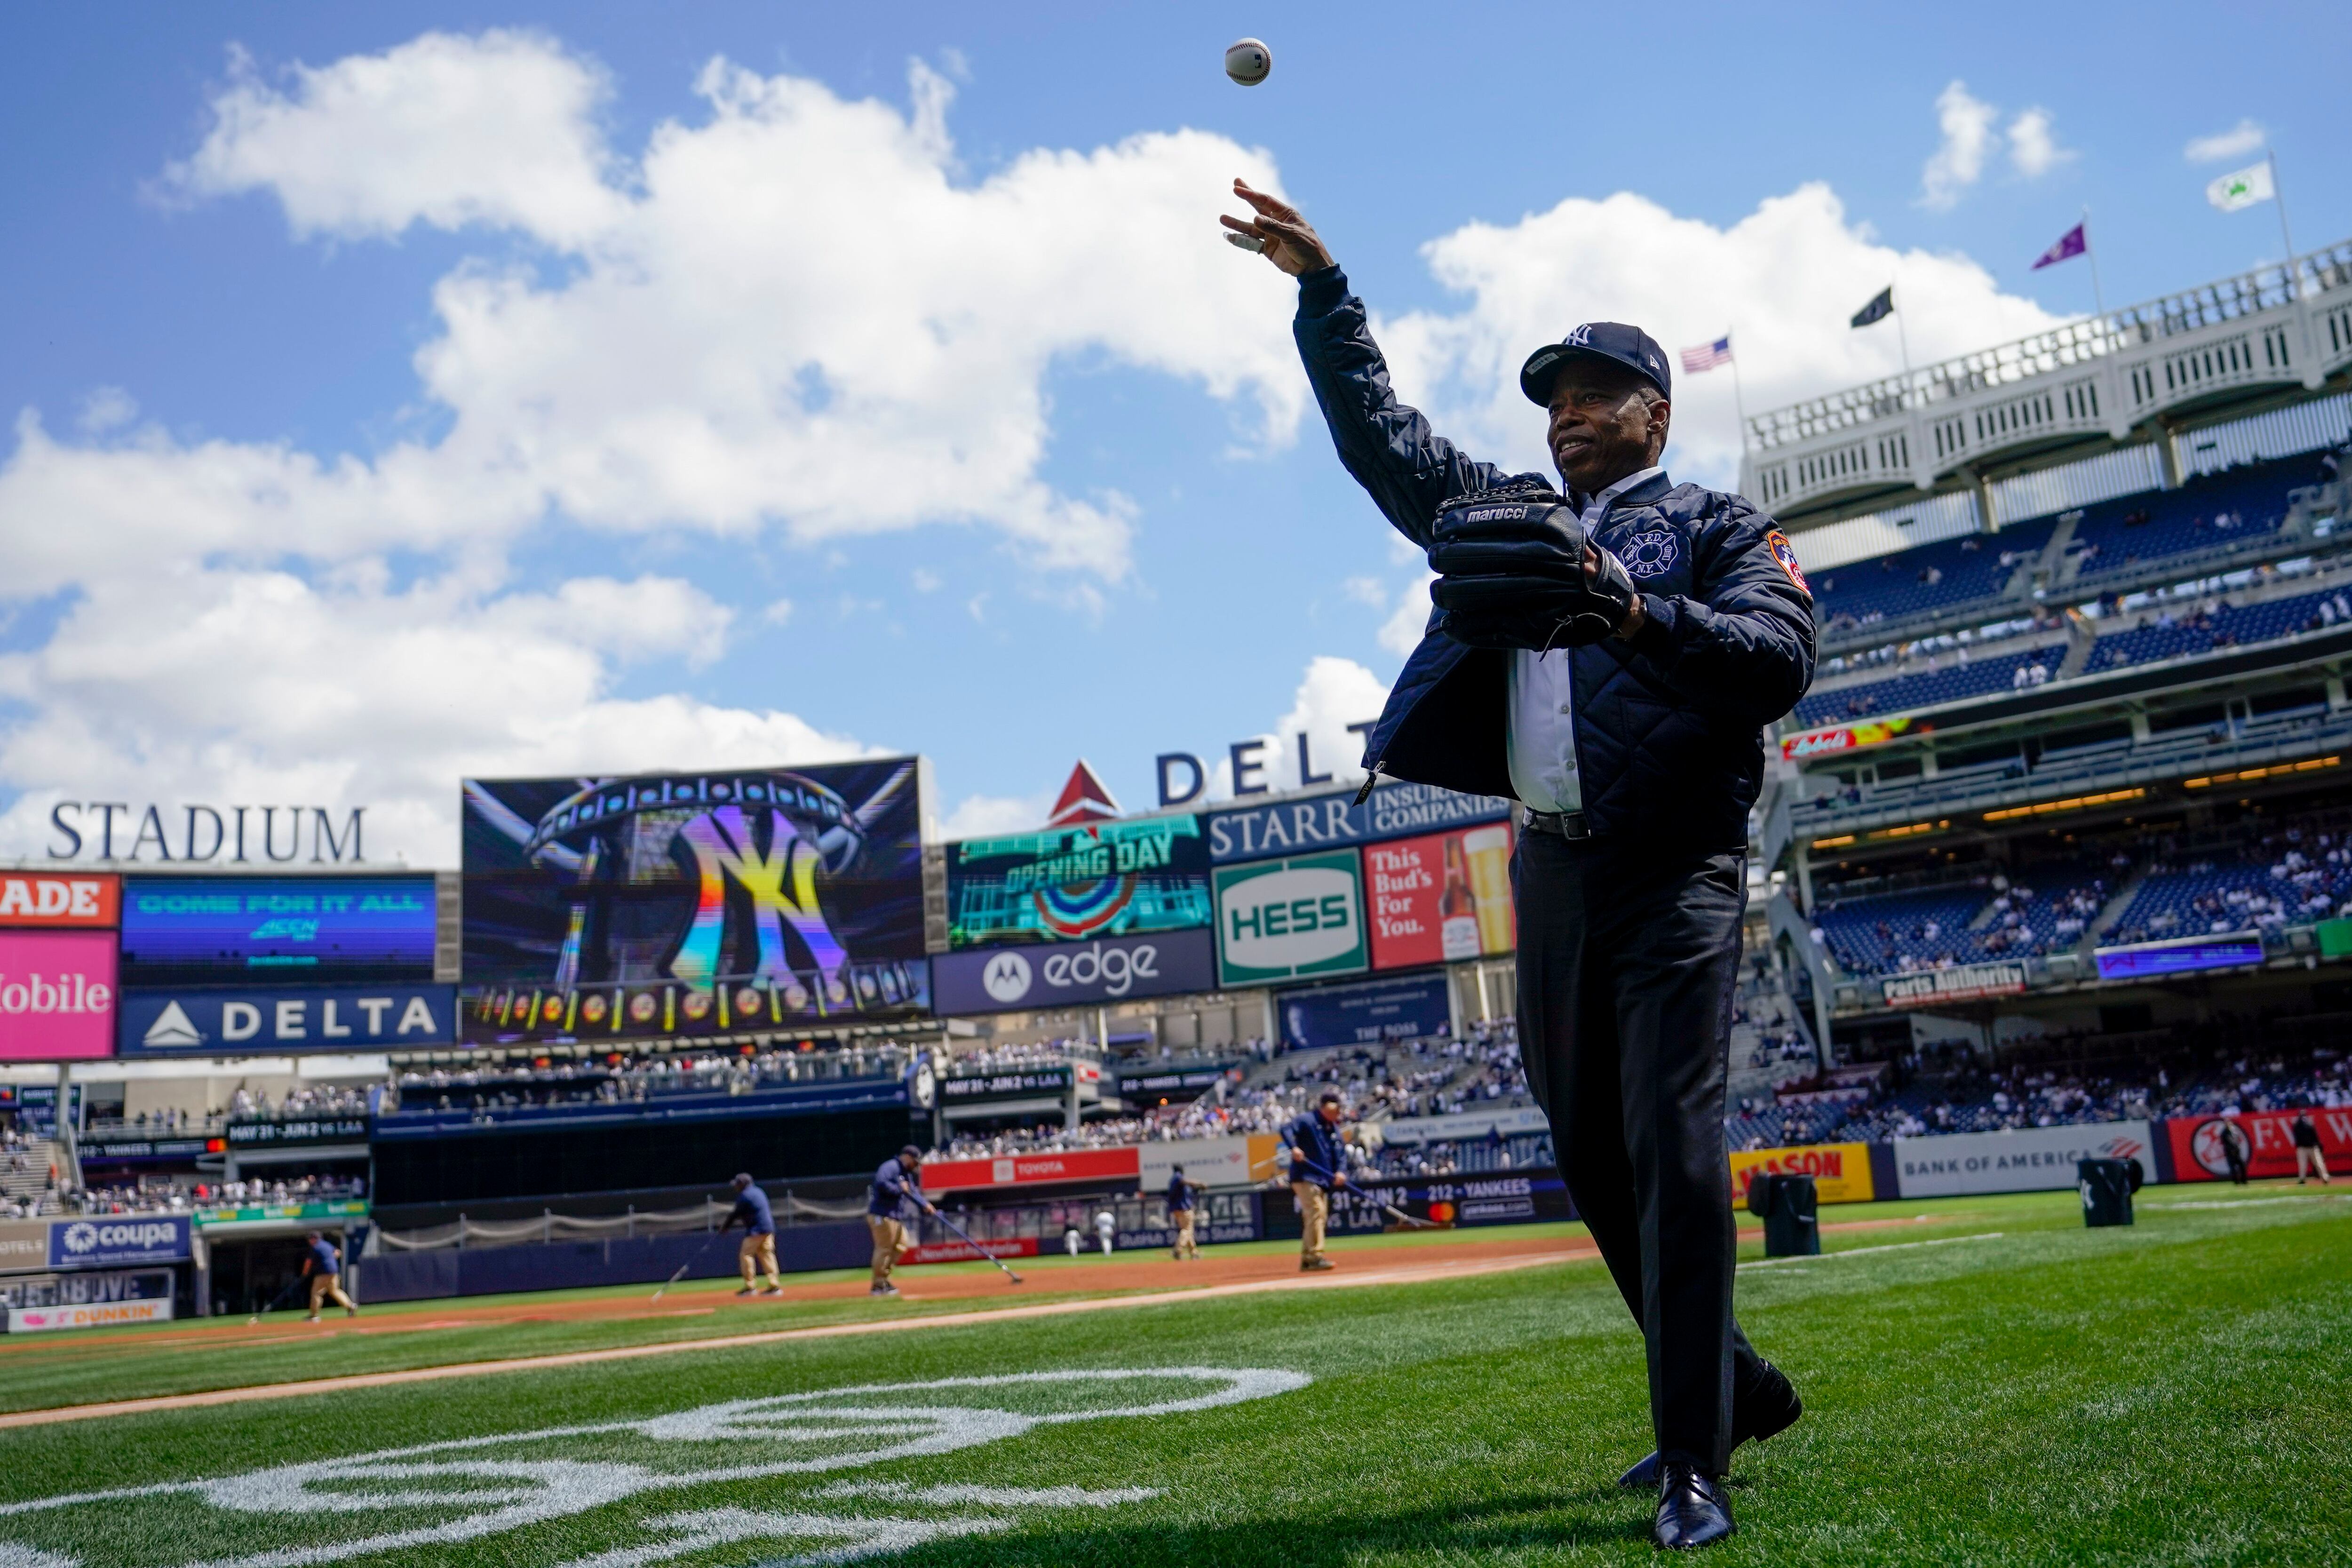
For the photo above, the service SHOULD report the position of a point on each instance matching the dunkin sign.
(56, 995)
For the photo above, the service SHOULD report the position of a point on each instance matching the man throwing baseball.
(1607, 654)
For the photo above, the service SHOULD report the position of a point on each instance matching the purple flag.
(2069, 244)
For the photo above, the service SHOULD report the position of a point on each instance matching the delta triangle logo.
(172, 1027)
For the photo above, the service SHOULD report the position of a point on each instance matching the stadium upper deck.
(2128, 611)
(2215, 351)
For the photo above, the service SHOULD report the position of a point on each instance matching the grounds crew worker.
(897, 1186)
(2308, 1156)
(323, 1262)
(758, 1249)
(1621, 705)
(1318, 1163)
(1181, 1209)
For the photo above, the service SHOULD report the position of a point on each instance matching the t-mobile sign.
(56, 995)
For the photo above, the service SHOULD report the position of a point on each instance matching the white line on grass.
(1858, 1251)
(1425, 1273)
(2252, 1203)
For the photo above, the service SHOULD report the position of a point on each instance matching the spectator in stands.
(2308, 1158)
(898, 1187)
(1319, 1163)
(758, 1251)
(324, 1264)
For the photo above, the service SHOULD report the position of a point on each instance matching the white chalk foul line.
(1858, 1251)
(1456, 1269)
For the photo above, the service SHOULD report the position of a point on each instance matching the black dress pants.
(1628, 957)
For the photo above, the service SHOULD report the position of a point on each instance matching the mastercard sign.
(49, 899)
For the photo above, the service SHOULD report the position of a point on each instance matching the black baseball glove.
(1510, 565)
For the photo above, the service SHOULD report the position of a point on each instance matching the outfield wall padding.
(576, 1265)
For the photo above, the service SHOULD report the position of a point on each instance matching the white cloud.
(1366, 591)
(107, 408)
(2246, 136)
(1958, 162)
(1409, 622)
(778, 613)
(712, 348)
(182, 682)
(1784, 279)
(926, 581)
(1332, 694)
(499, 129)
(2034, 149)
(986, 816)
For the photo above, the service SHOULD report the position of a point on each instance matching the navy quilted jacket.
(1669, 726)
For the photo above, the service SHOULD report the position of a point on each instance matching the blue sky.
(292, 530)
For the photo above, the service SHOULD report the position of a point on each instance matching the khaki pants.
(2310, 1162)
(1185, 1245)
(1313, 1209)
(328, 1288)
(758, 1253)
(889, 1242)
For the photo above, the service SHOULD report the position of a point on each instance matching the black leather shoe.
(1692, 1511)
(1766, 1408)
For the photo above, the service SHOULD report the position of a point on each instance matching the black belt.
(1559, 824)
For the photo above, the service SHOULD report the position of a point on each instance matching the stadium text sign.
(1032, 1170)
(1399, 1007)
(49, 899)
(107, 1241)
(194, 1023)
(2027, 1160)
(2182, 955)
(1060, 975)
(237, 835)
(425, 1499)
(1392, 811)
(56, 995)
(89, 1315)
(1840, 1171)
(1955, 984)
(2196, 1142)
(1284, 920)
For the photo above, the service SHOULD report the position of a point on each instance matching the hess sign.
(1290, 919)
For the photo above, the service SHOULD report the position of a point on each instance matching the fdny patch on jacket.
(1786, 554)
(1651, 553)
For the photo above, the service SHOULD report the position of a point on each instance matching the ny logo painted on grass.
(466, 1488)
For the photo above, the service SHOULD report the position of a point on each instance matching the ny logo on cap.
(1580, 338)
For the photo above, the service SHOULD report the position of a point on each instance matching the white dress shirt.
(1542, 742)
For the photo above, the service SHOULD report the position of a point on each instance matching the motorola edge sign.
(1057, 975)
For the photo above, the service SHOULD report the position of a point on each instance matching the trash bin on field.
(2107, 1186)
(1786, 1205)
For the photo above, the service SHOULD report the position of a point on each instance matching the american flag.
(1706, 356)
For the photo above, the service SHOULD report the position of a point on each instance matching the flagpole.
(2279, 196)
(2098, 293)
(1902, 337)
(1738, 400)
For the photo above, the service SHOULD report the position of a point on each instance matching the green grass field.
(2180, 1391)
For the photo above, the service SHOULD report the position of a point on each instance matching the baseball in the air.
(1249, 62)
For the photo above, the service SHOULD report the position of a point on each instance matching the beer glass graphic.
(1489, 852)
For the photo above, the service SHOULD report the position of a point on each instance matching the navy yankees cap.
(1615, 341)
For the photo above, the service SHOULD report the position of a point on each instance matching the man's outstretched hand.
(1290, 241)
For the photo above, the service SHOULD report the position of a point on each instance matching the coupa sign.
(105, 1243)
(237, 835)
(1290, 919)
(1055, 975)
